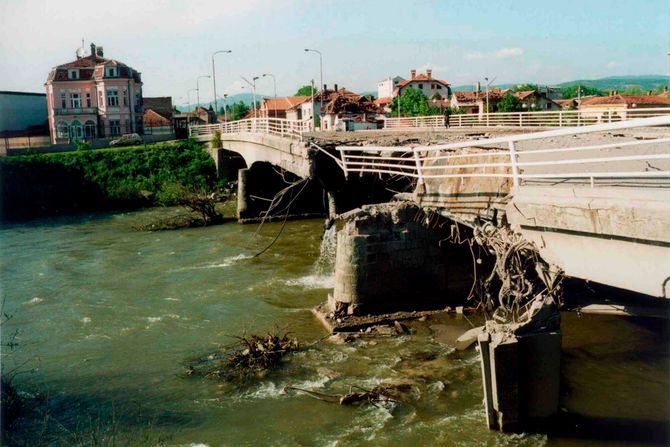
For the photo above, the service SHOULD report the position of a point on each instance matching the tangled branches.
(252, 355)
(519, 271)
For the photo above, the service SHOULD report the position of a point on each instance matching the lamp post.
(197, 85)
(253, 90)
(488, 83)
(274, 83)
(320, 71)
(216, 104)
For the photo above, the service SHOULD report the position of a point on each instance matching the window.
(76, 130)
(111, 72)
(75, 100)
(421, 86)
(63, 102)
(438, 86)
(88, 100)
(125, 98)
(114, 127)
(61, 130)
(128, 129)
(74, 74)
(548, 105)
(112, 98)
(89, 129)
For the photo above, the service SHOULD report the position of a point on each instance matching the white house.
(386, 87)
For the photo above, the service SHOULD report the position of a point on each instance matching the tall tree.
(237, 110)
(525, 87)
(509, 103)
(305, 90)
(570, 91)
(412, 103)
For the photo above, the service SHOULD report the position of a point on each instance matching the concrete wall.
(19, 111)
(613, 235)
(388, 259)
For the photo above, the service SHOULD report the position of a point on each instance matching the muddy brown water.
(108, 318)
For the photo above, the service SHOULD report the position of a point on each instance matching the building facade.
(22, 112)
(93, 97)
(431, 88)
(386, 87)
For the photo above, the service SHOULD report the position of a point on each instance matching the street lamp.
(216, 104)
(188, 95)
(488, 83)
(274, 83)
(197, 85)
(253, 90)
(320, 67)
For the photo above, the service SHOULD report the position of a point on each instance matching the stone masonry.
(389, 258)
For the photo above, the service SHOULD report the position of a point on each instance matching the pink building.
(93, 97)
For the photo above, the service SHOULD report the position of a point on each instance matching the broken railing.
(559, 118)
(276, 126)
(540, 158)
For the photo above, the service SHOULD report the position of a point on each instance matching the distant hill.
(644, 82)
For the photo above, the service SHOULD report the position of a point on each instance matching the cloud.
(613, 64)
(502, 53)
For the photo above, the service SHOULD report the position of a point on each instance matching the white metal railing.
(610, 160)
(277, 126)
(559, 118)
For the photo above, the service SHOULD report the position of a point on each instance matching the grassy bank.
(98, 180)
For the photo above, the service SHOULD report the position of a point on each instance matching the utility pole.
(216, 104)
(197, 85)
(274, 82)
(313, 115)
(225, 106)
(253, 91)
(320, 75)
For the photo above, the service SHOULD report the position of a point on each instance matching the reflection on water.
(108, 317)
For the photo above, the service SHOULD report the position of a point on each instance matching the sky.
(362, 42)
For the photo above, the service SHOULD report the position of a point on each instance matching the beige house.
(432, 88)
(534, 100)
(280, 107)
(475, 102)
(617, 106)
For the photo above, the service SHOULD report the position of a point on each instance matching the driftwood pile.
(250, 356)
(379, 394)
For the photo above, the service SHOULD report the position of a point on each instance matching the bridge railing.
(276, 126)
(541, 158)
(559, 118)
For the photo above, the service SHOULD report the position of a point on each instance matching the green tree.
(570, 91)
(525, 87)
(412, 103)
(305, 90)
(633, 90)
(509, 103)
(237, 110)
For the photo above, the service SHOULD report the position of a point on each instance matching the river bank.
(44, 185)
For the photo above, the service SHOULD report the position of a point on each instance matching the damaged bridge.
(595, 200)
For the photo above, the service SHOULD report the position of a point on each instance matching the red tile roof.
(627, 100)
(283, 103)
(524, 94)
(422, 78)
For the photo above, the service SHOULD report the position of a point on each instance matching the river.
(109, 317)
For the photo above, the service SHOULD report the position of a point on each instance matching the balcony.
(78, 111)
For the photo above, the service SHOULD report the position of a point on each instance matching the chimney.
(325, 87)
(335, 87)
(429, 73)
(93, 53)
(412, 74)
(479, 88)
(649, 93)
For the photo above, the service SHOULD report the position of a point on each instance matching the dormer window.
(111, 72)
(74, 74)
